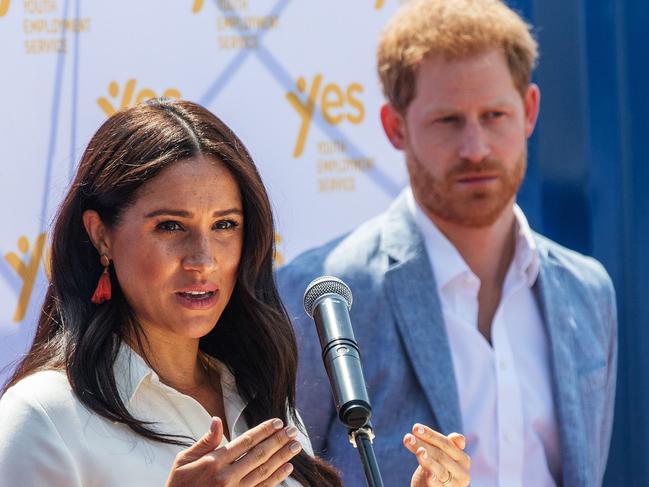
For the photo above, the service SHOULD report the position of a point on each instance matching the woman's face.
(176, 250)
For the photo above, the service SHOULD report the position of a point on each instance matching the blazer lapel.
(560, 324)
(412, 292)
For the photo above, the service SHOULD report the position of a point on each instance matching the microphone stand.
(362, 439)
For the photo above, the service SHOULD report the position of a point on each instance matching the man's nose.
(473, 143)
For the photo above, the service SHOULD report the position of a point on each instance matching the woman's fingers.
(267, 458)
(259, 457)
(207, 443)
(278, 477)
(275, 469)
(250, 439)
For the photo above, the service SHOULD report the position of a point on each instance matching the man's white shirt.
(505, 389)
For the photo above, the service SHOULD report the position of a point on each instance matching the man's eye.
(493, 115)
(225, 224)
(169, 226)
(451, 119)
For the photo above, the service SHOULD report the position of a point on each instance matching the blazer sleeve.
(611, 326)
(32, 452)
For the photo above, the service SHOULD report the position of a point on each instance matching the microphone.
(328, 300)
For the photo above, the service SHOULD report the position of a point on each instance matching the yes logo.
(379, 4)
(278, 257)
(4, 7)
(127, 96)
(28, 270)
(198, 6)
(336, 105)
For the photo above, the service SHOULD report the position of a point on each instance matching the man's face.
(465, 137)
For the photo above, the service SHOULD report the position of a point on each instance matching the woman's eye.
(169, 226)
(225, 224)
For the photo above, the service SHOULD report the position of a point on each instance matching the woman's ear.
(97, 231)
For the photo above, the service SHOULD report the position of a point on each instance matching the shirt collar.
(448, 264)
(132, 372)
(526, 252)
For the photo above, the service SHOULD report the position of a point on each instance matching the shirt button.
(503, 365)
(508, 437)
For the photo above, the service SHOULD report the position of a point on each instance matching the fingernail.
(433, 477)
(277, 424)
(424, 455)
(288, 468)
(213, 424)
(420, 429)
(411, 439)
(291, 431)
(295, 446)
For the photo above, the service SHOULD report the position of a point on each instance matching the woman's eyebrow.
(189, 214)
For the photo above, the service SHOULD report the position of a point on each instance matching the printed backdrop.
(295, 79)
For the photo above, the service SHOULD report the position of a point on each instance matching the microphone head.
(325, 285)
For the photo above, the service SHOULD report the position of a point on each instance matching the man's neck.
(488, 251)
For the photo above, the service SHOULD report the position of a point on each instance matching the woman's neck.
(176, 361)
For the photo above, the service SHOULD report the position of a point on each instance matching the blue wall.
(586, 184)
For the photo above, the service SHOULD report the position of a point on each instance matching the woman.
(161, 324)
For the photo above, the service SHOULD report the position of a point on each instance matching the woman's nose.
(199, 255)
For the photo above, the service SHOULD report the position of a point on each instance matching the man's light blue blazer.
(406, 357)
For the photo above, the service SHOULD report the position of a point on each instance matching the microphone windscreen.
(322, 286)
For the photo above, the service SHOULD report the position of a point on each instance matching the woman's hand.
(442, 461)
(257, 458)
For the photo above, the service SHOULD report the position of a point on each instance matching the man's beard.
(479, 207)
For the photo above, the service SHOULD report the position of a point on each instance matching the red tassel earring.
(103, 291)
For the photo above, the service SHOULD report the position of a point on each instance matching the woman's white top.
(48, 438)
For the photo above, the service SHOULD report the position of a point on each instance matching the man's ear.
(97, 231)
(532, 103)
(393, 125)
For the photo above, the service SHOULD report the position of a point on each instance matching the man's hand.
(442, 461)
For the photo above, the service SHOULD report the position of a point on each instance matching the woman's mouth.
(197, 299)
(197, 294)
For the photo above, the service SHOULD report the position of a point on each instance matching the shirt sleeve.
(32, 452)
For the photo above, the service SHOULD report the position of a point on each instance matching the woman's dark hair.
(253, 336)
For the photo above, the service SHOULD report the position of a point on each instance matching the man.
(468, 321)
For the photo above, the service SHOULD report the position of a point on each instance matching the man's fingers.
(432, 468)
(250, 439)
(428, 435)
(458, 439)
(207, 443)
(436, 461)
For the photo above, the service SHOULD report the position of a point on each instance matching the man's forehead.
(482, 77)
